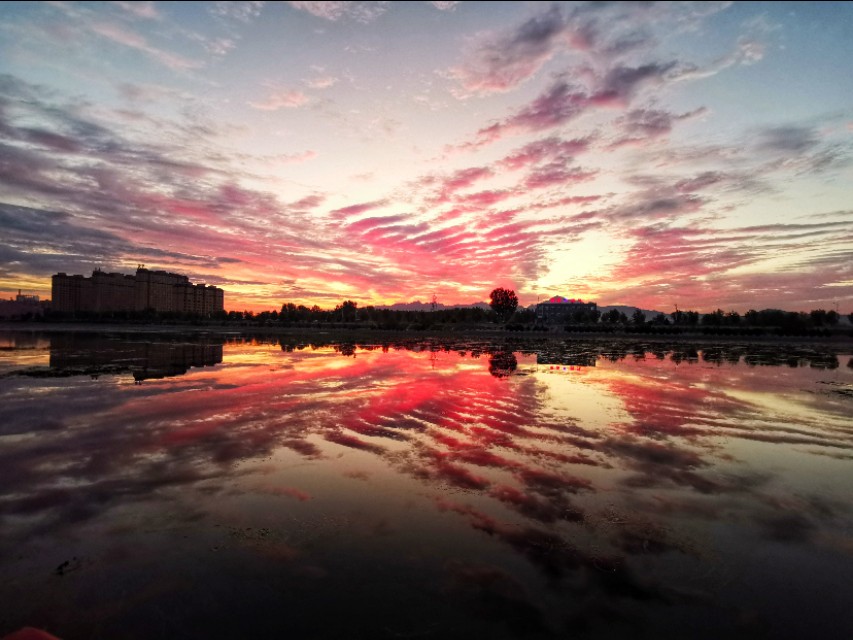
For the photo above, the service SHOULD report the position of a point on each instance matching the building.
(158, 291)
(22, 306)
(559, 310)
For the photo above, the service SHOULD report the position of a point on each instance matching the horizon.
(698, 155)
(843, 316)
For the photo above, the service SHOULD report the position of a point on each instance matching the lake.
(204, 487)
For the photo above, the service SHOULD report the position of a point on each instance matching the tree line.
(503, 309)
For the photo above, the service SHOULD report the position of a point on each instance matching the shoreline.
(840, 339)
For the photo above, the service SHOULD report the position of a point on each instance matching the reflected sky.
(429, 489)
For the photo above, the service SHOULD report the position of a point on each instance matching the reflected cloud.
(580, 458)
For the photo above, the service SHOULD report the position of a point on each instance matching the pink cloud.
(483, 198)
(570, 200)
(334, 10)
(557, 174)
(565, 100)
(133, 40)
(558, 104)
(447, 186)
(695, 264)
(502, 61)
(142, 9)
(308, 202)
(321, 82)
(240, 11)
(621, 83)
(283, 99)
(545, 149)
(368, 224)
(297, 158)
(356, 209)
(642, 125)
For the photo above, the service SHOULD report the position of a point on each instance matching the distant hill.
(417, 305)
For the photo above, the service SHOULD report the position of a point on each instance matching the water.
(190, 487)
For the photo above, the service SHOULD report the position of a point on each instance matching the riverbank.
(841, 338)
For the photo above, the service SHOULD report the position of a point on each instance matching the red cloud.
(356, 209)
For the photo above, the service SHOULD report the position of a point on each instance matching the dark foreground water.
(201, 488)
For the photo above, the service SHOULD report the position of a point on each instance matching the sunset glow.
(690, 154)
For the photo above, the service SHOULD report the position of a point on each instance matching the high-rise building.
(158, 291)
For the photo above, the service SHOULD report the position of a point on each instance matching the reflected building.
(72, 354)
(158, 291)
(565, 361)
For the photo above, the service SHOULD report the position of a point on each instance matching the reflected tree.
(502, 364)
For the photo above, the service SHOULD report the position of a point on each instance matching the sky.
(647, 154)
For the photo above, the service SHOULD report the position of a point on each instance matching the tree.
(503, 302)
(347, 311)
(713, 319)
(614, 316)
(638, 318)
(818, 317)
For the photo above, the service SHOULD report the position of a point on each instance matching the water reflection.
(511, 489)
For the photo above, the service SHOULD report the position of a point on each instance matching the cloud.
(552, 148)
(152, 93)
(621, 83)
(789, 139)
(600, 33)
(502, 61)
(746, 52)
(321, 82)
(123, 36)
(219, 46)
(281, 99)
(564, 100)
(296, 158)
(445, 5)
(140, 196)
(483, 198)
(241, 11)
(141, 9)
(356, 209)
(557, 105)
(364, 12)
(671, 260)
(557, 174)
(642, 125)
(372, 223)
(308, 202)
